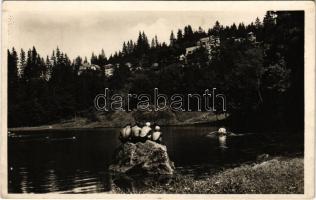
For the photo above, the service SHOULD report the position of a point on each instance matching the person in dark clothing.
(135, 133)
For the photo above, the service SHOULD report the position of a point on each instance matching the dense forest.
(263, 81)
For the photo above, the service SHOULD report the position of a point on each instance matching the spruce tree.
(22, 62)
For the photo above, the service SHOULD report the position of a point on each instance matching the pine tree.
(32, 69)
(94, 59)
(188, 33)
(28, 67)
(145, 41)
(102, 58)
(57, 55)
(268, 26)
(49, 68)
(156, 41)
(13, 90)
(179, 35)
(153, 45)
(233, 30)
(53, 59)
(172, 39)
(216, 29)
(12, 68)
(130, 47)
(22, 62)
(34, 56)
(142, 44)
(124, 49)
(43, 68)
(78, 61)
(241, 31)
(257, 23)
(139, 40)
(269, 18)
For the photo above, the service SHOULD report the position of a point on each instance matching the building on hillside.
(129, 65)
(190, 50)
(182, 57)
(239, 39)
(95, 67)
(108, 70)
(84, 67)
(87, 66)
(209, 43)
(251, 37)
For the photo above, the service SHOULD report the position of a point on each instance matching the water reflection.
(76, 161)
(81, 182)
(222, 142)
(52, 180)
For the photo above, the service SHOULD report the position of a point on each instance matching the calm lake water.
(76, 160)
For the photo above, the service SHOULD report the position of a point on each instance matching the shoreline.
(83, 124)
(276, 175)
(46, 127)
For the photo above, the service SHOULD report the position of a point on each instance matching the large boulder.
(143, 158)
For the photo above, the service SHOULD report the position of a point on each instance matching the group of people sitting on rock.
(134, 133)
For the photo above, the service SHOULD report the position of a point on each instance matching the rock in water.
(145, 158)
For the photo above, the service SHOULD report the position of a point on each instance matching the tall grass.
(276, 176)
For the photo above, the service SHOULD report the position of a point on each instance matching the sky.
(83, 31)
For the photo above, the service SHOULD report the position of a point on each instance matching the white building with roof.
(208, 43)
(190, 50)
(251, 37)
(87, 66)
(108, 70)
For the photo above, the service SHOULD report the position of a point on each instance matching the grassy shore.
(275, 176)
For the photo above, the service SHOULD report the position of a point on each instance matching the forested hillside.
(262, 80)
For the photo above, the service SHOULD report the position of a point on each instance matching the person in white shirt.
(145, 132)
(156, 136)
(125, 133)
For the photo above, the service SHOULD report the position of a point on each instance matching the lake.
(76, 160)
